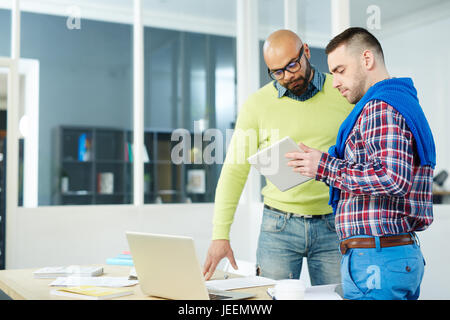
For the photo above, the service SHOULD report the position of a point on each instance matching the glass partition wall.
(190, 88)
(84, 93)
(76, 97)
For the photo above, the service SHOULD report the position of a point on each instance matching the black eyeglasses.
(292, 67)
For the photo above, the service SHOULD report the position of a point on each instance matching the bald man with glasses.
(300, 103)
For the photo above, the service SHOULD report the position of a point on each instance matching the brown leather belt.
(386, 241)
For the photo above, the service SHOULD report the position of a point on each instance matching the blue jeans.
(392, 273)
(286, 238)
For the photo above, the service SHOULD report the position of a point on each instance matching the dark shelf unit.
(164, 181)
(106, 154)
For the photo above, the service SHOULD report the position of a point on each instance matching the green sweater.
(263, 120)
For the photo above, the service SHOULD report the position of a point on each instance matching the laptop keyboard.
(213, 296)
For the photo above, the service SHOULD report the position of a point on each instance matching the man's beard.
(358, 92)
(355, 99)
(300, 88)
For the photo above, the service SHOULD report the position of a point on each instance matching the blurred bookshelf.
(95, 166)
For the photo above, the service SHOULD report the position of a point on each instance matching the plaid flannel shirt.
(384, 190)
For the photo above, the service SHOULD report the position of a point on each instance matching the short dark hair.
(357, 36)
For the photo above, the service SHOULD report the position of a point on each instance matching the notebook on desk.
(167, 267)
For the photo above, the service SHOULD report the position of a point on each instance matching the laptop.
(167, 267)
(272, 163)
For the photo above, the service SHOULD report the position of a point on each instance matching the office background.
(78, 80)
(85, 80)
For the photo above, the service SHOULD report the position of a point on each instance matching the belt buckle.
(307, 216)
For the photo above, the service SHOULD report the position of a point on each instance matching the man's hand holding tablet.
(305, 163)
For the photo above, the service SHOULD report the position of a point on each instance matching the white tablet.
(272, 163)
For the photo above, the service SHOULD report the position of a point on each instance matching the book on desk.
(55, 272)
(122, 259)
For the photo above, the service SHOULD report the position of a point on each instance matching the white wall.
(91, 234)
(422, 53)
(434, 243)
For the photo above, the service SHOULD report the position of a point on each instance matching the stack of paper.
(92, 293)
(112, 282)
(55, 272)
(322, 292)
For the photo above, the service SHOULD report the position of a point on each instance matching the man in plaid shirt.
(380, 172)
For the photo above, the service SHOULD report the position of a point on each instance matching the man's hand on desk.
(218, 250)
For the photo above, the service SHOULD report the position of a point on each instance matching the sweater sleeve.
(233, 176)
